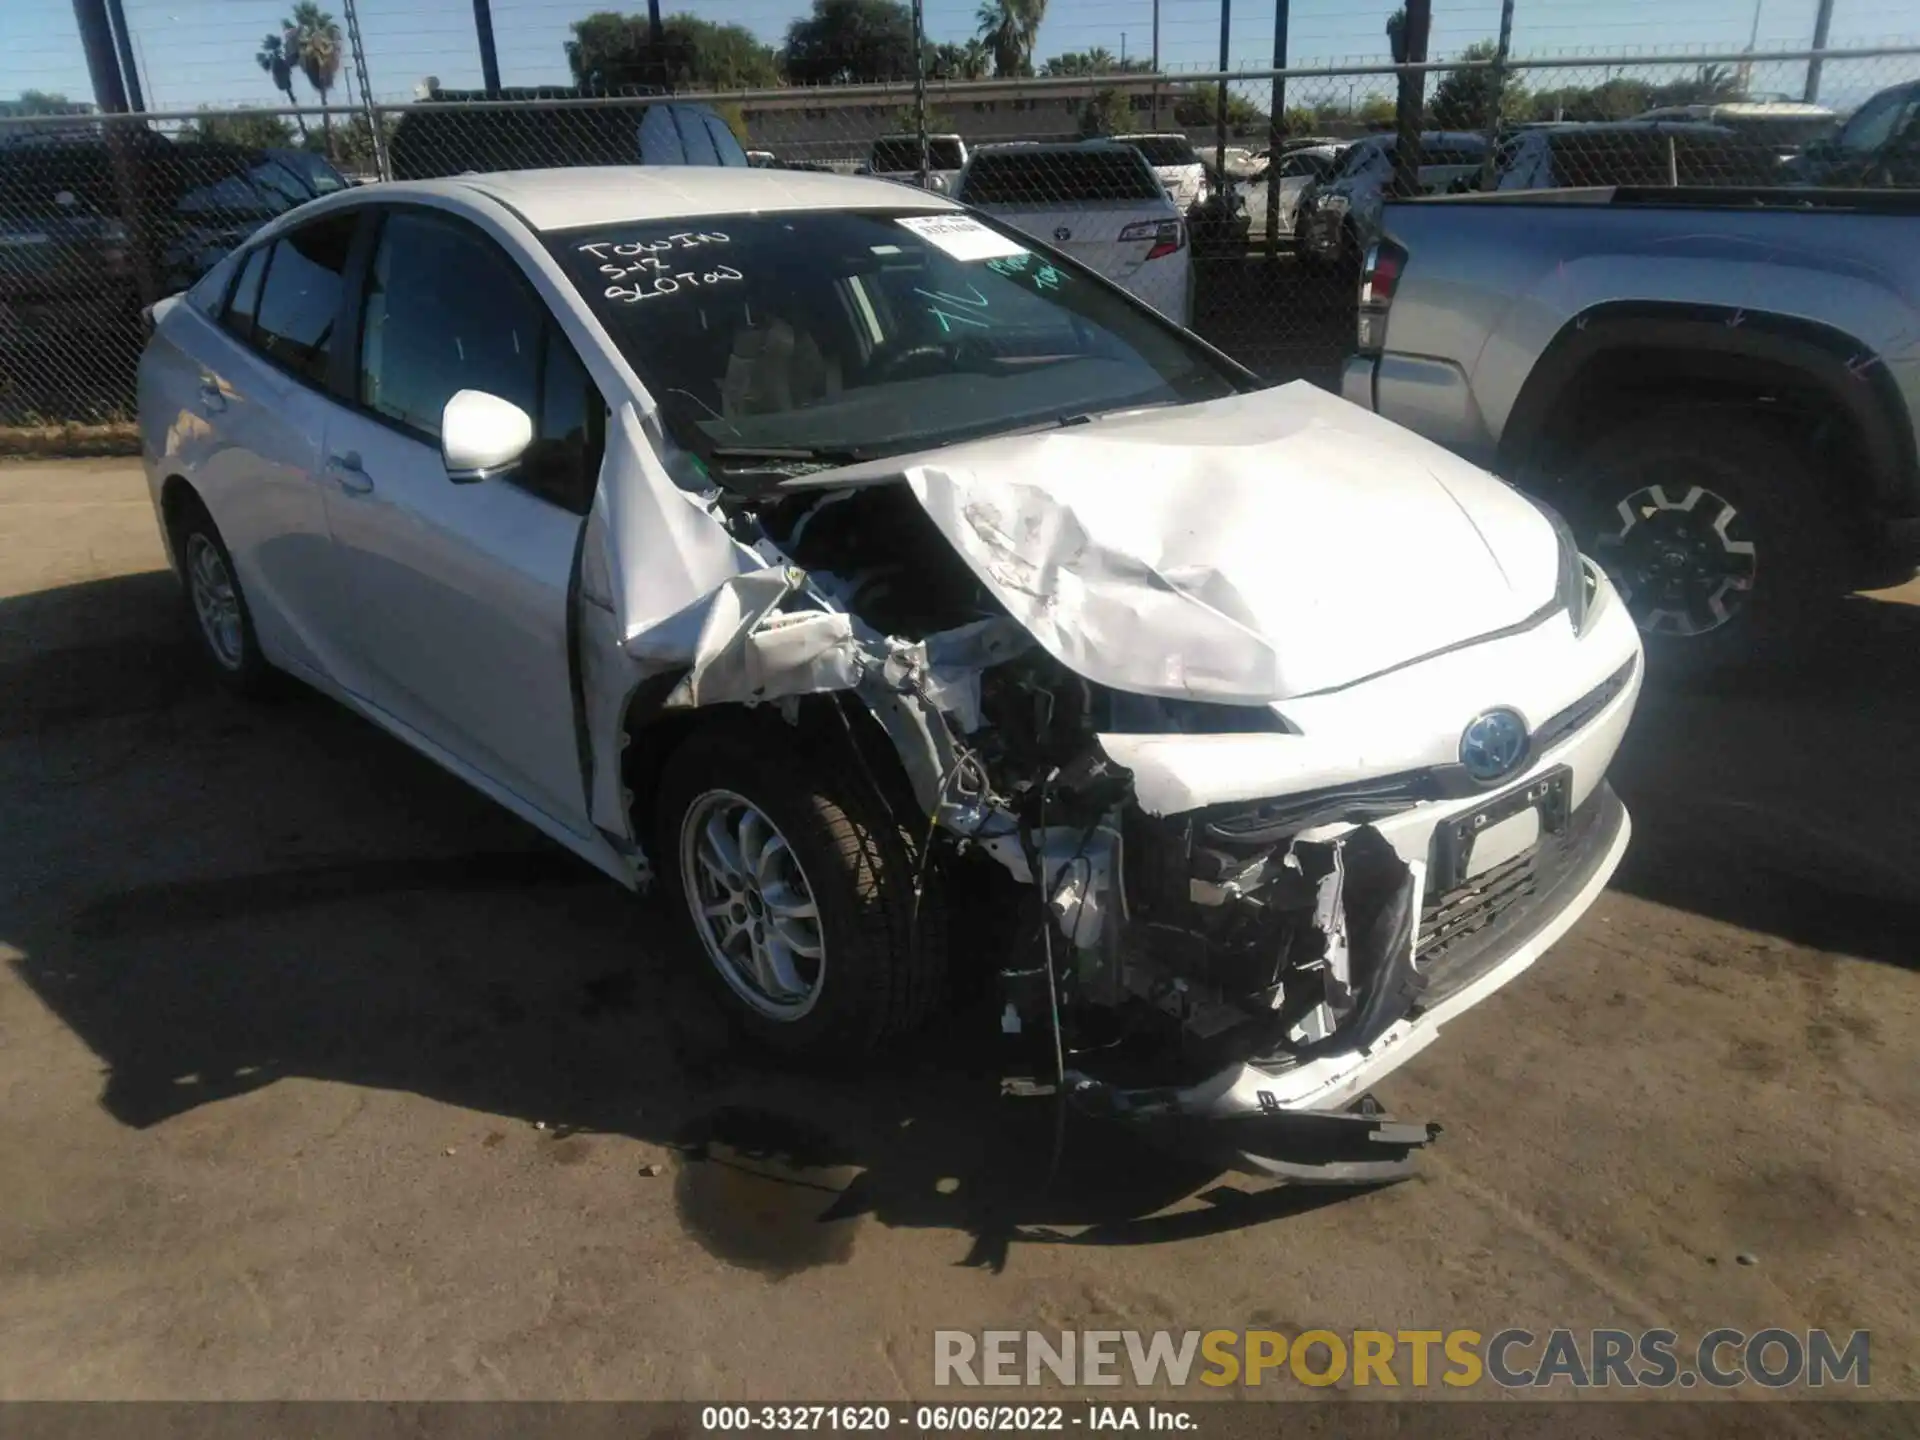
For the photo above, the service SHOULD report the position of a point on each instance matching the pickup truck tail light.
(1168, 236)
(1379, 278)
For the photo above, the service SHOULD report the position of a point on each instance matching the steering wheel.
(889, 362)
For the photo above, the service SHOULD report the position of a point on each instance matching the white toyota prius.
(921, 615)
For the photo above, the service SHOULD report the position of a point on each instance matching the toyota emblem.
(1493, 745)
(1061, 232)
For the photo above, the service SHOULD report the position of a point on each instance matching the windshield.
(890, 157)
(837, 335)
(1165, 149)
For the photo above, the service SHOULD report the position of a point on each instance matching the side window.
(1873, 125)
(294, 323)
(238, 318)
(427, 333)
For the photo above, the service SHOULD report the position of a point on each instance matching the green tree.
(41, 102)
(1097, 61)
(1468, 99)
(1376, 111)
(610, 53)
(353, 143)
(1107, 112)
(1010, 29)
(1300, 121)
(277, 59)
(1621, 98)
(255, 130)
(970, 61)
(847, 42)
(1193, 109)
(1709, 85)
(313, 40)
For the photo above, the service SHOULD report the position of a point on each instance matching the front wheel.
(805, 904)
(1716, 531)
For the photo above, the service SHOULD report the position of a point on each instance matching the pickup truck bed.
(1720, 388)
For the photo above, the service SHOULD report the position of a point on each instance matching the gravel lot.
(320, 1076)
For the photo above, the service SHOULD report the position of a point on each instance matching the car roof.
(560, 199)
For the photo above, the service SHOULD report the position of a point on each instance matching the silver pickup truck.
(1719, 389)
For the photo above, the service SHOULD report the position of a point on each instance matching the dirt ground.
(321, 1076)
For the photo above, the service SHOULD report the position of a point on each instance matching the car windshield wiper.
(774, 457)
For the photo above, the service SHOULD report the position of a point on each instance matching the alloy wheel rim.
(1680, 560)
(215, 602)
(752, 905)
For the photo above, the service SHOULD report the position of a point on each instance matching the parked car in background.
(1632, 152)
(1342, 216)
(1782, 127)
(449, 135)
(897, 157)
(67, 266)
(1218, 225)
(1296, 172)
(1099, 202)
(1176, 162)
(1715, 386)
(1878, 146)
(915, 613)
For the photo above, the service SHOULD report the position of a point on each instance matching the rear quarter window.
(1059, 177)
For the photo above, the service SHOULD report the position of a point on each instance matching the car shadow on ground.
(480, 966)
(1778, 800)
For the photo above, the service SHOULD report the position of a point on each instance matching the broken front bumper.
(1257, 1114)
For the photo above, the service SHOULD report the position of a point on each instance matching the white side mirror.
(482, 435)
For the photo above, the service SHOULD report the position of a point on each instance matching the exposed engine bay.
(1210, 764)
(1275, 933)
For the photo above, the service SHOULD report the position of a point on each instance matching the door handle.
(347, 473)
(212, 398)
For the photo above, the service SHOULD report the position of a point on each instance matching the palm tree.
(277, 62)
(313, 39)
(1010, 28)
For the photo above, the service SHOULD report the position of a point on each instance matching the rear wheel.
(216, 607)
(798, 890)
(1713, 526)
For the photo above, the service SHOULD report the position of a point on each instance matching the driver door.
(458, 594)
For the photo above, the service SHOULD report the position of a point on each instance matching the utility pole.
(489, 57)
(1156, 66)
(919, 86)
(1497, 93)
(109, 93)
(1276, 126)
(376, 136)
(1410, 49)
(123, 44)
(1822, 21)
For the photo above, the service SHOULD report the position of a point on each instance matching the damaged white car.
(838, 561)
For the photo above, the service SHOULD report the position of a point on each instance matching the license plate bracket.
(1551, 794)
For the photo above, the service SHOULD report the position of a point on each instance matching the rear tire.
(817, 864)
(216, 608)
(1718, 531)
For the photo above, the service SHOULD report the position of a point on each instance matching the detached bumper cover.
(1271, 1117)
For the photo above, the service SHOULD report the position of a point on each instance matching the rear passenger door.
(459, 593)
(264, 368)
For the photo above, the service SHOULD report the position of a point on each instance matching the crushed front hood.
(1244, 550)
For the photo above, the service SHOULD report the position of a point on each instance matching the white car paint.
(1281, 547)
(1186, 180)
(1115, 238)
(1298, 170)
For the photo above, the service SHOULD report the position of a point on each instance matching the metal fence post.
(1412, 98)
(1498, 80)
(1822, 21)
(920, 85)
(1220, 116)
(1276, 128)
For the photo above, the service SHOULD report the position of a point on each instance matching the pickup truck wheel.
(797, 886)
(1713, 527)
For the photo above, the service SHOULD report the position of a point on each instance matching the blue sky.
(200, 52)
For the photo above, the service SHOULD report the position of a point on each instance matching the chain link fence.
(1278, 179)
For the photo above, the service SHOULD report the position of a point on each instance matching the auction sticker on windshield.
(962, 237)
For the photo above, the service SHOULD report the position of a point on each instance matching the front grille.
(1467, 909)
(1559, 726)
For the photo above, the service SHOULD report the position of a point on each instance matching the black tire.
(1645, 474)
(235, 660)
(883, 968)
